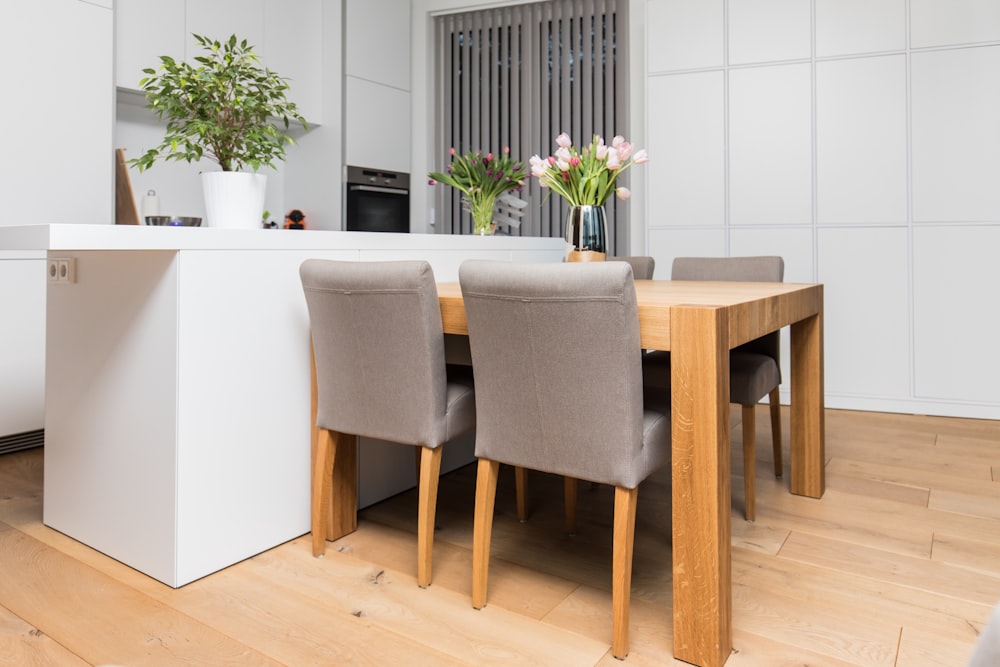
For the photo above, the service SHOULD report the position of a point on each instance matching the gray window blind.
(520, 75)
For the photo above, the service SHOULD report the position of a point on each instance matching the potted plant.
(228, 108)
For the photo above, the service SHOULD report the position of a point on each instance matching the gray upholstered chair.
(556, 353)
(754, 368)
(381, 373)
(642, 265)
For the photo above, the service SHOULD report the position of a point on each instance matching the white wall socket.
(62, 269)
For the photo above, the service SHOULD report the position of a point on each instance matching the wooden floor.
(898, 564)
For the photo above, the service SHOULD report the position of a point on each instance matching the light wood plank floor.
(898, 565)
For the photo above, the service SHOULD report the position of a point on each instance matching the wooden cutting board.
(126, 212)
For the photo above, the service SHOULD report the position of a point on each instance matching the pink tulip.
(574, 161)
(602, 151)
(538, 166)
(431, 181)
(624, 151)
(451, 151)
(640, 156)
(617, 141)
(614, 162)
(563, 154)
(489, 156)
(623, 193)
(563, 141)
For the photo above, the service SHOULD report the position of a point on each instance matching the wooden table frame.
(699, 322)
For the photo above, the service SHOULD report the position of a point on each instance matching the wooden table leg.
(808, 441)
(702, 565)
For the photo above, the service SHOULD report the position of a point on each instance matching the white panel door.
(687, 142)
(769, 30)
(293, 47)
(378, 122)
(22, 345)
(938, 23)
(866, 311)
(955, 277)
(770, 145)
(377, 42)
(58, 164)
(861, 140)
(859, 26)
(666, 244)
(219, 19)
(684, 34)
(956, 136)
(144, 31)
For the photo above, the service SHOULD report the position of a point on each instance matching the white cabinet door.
(22, 345)
(293, 47)
(144, 31)
(221, 18)
(58, 164)
(377, 39)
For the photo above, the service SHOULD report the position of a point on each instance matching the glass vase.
(482, 215)
(587, 232)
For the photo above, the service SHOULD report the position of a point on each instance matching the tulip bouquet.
(587, 177)
(481, 179)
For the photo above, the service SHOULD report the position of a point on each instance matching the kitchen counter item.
(172, 221)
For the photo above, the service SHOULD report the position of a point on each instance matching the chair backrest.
(379, 349)
(642, 265)
(764, 268)
(557, 362)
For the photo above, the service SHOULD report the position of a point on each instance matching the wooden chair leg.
(775, 400)
(430, 470)
(569, 492)
(621, 567)
(521, 491)
(482, 530)
(749, 461)
(326, 452)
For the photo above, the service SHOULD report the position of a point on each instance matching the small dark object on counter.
(294, 219)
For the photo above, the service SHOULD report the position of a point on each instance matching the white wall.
(856, 138)
(859, 140)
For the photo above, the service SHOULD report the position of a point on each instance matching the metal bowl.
(172, 221)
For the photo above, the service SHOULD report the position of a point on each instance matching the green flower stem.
(482, 211)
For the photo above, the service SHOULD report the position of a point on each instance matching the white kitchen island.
(177, 392)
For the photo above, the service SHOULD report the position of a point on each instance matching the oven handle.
(375, 188)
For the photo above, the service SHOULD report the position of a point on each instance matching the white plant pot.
(234, 199)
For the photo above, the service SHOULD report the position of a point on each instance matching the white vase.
(234, 199)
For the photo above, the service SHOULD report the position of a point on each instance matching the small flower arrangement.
(587, 177)
(481, 179)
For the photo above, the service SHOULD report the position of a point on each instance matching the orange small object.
(295, 219)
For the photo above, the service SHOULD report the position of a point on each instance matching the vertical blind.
(520, 75)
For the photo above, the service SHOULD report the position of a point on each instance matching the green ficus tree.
(226, 107)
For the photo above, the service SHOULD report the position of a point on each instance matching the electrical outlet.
(62, 270)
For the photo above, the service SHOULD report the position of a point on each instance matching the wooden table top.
(754, 309)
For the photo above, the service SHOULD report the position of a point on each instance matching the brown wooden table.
(699, 322)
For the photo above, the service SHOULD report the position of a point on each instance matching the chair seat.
(751, 377)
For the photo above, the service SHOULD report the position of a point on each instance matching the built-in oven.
(377, 200)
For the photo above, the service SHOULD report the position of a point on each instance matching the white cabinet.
(144, 31)
(377, 84)
(377, 41)
(293, 47)
(58, 164)
(218, 19)
(286, 34)
(22, 342)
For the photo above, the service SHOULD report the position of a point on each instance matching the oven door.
(377, 208)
